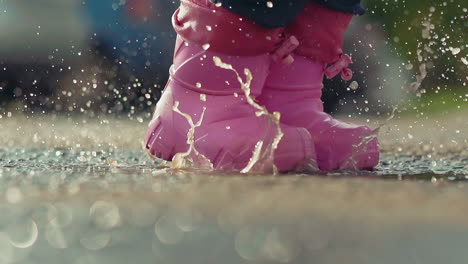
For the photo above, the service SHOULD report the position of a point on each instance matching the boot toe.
(346, 146)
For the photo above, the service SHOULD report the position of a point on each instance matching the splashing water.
(263, 154)
(424, 54)
(423, 57)
(352, 160)
(191, 158)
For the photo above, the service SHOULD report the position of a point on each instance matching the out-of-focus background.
(112, 56)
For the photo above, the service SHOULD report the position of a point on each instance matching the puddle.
(106, 201)
(87, 207)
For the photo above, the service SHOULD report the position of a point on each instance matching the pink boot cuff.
(320, 31)
(202, 22)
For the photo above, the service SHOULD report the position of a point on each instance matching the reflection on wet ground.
(76, 196)
(71, 164)
(68, 208)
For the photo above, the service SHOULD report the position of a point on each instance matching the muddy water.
(83, 191)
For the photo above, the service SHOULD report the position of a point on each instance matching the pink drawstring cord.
(340, 66)
(283, 53)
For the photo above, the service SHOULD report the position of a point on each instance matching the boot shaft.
(195, 69)
(304, 77)
(202, 22)
(320, 31)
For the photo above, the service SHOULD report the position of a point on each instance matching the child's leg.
(294, 91)
(230, 128)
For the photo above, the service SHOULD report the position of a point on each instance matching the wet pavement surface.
(84, 191)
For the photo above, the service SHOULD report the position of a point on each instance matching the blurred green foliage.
(439, 102)
(443, 50)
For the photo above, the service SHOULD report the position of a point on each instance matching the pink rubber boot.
(294, 90)
(230, 129)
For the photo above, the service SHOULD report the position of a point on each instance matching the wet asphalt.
(79, 190)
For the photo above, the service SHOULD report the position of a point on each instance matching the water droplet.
(203, 97)
(455, 51)
(354, 85)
